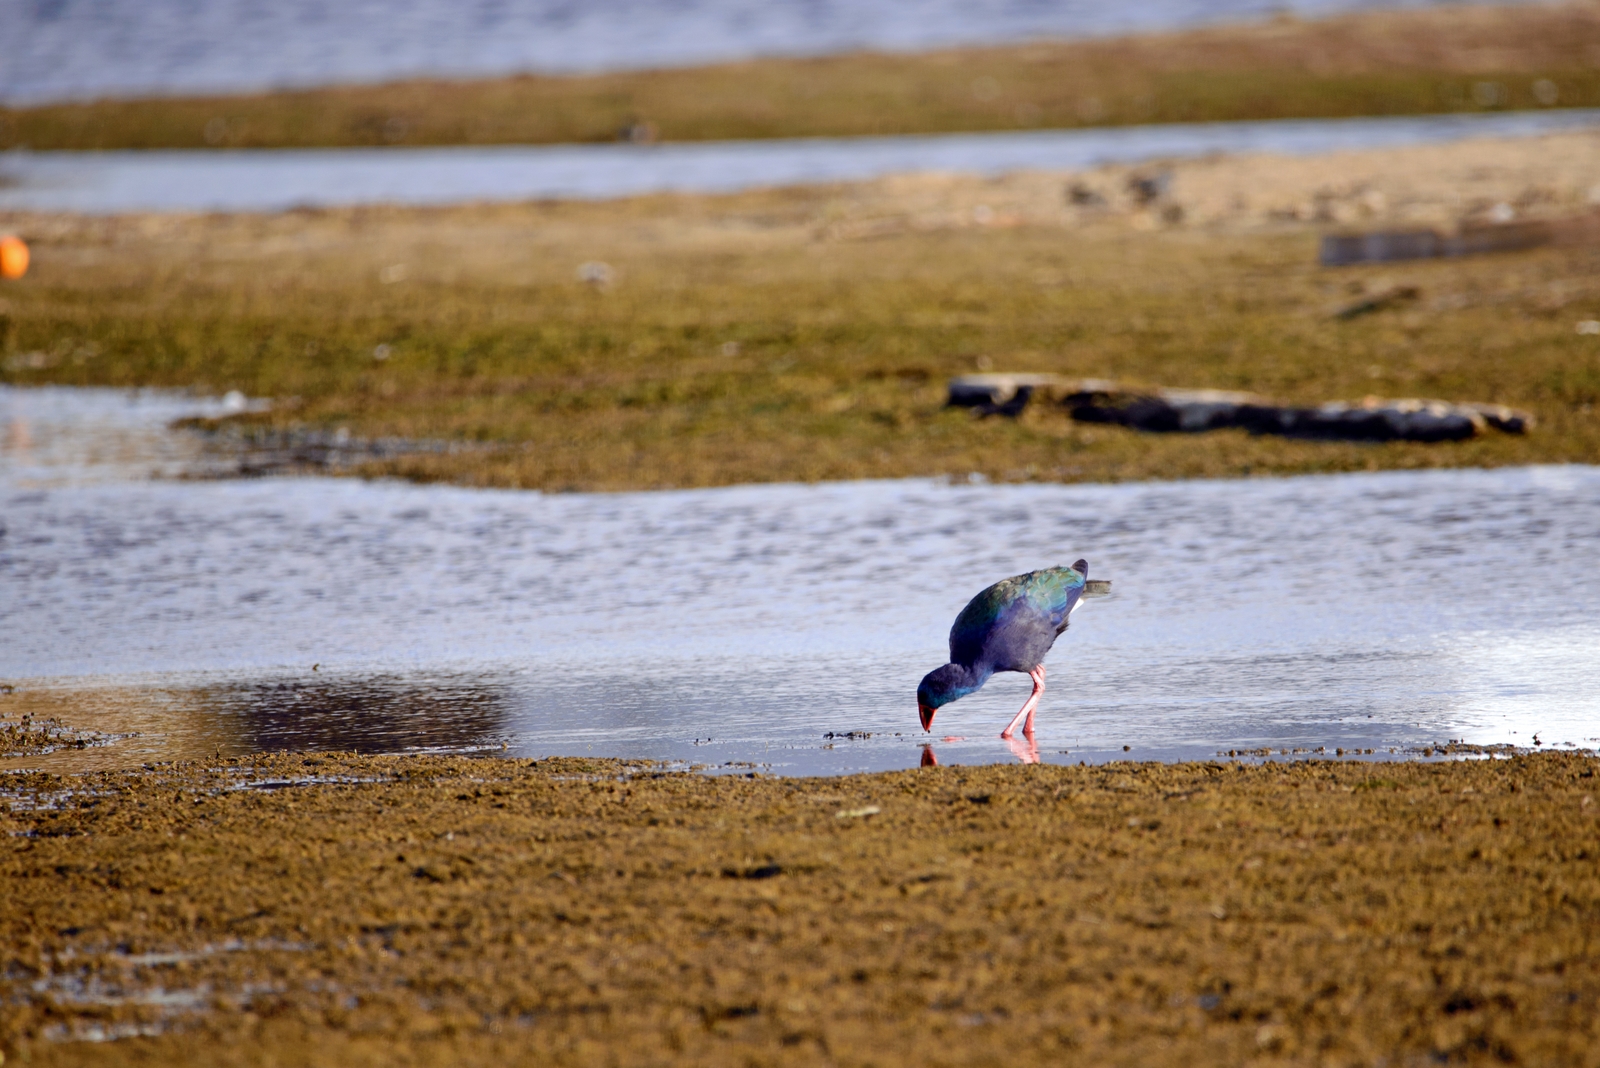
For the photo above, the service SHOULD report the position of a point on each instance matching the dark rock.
(1387, 298)
(1381, 246)
(1149, 188)
(636, 132)
(1083, 196)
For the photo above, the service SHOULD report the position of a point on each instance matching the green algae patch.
(427, 910)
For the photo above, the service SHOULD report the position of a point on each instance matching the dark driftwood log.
(1161, 411)
(1426, 421)
(1189, 411)
(1192, 411)
(997, 394)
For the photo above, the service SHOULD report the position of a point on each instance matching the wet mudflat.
(337, 909)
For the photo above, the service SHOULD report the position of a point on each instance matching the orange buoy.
(13, 257)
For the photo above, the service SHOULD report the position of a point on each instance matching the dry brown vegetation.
(1451, 58)
(451, 911)
(808, 333)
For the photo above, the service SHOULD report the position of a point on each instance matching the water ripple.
(1362, 611)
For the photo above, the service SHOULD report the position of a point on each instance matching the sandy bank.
(347, 910)
(807, 334)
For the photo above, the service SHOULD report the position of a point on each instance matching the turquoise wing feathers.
(1049, 594)
(1053, 592)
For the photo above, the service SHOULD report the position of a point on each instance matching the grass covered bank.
(1453, 58)
(808, 333)
(436, 910)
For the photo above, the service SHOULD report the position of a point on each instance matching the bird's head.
(939, 687)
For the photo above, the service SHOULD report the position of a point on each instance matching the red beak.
(926, 712)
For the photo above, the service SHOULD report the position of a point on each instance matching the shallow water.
(67, 49)
(744, 624)
(274, 180)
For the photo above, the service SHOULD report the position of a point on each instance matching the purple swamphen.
(1008, 627)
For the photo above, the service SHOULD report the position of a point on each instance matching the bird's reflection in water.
(1024, 748)
(371, 714)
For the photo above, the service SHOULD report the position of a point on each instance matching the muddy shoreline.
(337, 909)
(808, 334)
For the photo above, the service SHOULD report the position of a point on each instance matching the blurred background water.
(77, 49)
(780, 625)
(280, 179)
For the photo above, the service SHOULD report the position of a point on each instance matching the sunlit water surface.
(1370, 611)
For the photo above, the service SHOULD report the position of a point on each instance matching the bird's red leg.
(1028, 706)
(1037, 675)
